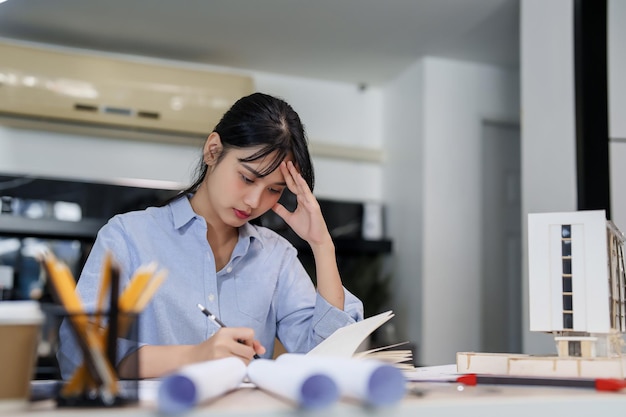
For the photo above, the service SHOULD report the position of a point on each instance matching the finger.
(291, 184)
(247, 352)
(243, 351)
(241, 342)
(297, 177)
(259, 348)
(293, 179)
(303, 191)
(281, 211)
(242, 334)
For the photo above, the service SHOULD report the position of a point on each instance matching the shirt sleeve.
(328, 318)
(305, 318)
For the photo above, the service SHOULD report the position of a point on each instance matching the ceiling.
(367, 42)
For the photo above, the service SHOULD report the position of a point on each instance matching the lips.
(241, 214)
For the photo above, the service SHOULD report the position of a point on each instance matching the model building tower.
(577, 282)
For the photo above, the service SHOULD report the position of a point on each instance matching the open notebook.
(345, 342)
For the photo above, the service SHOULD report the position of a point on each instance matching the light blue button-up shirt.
(264, 286)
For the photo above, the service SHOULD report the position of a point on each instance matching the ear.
(212, 148)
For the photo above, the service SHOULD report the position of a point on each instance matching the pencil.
(217, 321)
(134, 298)
(63, 287)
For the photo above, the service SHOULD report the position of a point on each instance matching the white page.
(345, 341)
(443, 373)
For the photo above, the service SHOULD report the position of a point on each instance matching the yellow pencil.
(140, 290)
(64, 286)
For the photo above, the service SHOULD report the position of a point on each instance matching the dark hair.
(262, 120)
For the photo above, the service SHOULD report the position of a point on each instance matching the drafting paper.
(307, 388)
(372, 382)
(199, 382)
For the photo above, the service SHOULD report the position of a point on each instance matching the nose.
(253, 197)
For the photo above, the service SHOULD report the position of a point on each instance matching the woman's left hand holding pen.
(229, 341)
(158, 360)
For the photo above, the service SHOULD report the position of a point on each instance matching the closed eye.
(246, 179)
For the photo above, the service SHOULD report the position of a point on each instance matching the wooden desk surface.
(432, 400)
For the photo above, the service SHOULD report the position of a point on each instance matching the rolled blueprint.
(310, 389)
(370, 381)
(199, 382)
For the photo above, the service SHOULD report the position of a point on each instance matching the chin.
(237, 222)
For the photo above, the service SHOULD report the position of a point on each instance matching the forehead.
(258, 165)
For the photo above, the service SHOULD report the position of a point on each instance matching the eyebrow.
(258, 174)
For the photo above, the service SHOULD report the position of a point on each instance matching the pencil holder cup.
(95, 354)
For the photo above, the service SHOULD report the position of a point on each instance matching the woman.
(247, 275)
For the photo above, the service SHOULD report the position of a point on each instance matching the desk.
(437, 400)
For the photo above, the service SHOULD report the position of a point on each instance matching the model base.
(531, 365)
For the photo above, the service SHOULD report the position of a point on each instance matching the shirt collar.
(183, 213)
(249, 233)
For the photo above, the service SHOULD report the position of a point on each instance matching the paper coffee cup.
(20, 324)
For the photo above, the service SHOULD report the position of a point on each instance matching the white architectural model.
(577, 292)
(576, 282)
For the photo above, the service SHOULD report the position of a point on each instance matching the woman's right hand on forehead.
(306, 220)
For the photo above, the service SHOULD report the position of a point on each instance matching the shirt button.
(211, 297)
(229, 269)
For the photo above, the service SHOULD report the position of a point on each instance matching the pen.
(217, 321)
(600, 384)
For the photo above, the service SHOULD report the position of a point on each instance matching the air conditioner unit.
(69, 91)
